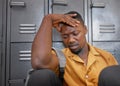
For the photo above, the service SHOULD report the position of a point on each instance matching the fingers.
(67, 18)
(71, 15)
(56, 25)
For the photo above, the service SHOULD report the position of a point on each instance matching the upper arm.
(53, 62)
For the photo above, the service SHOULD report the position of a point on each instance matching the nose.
(71, 39)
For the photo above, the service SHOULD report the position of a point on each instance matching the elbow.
(39, 61)
(36, 64)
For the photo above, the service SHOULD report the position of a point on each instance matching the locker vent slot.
(107, 28)
(27, 29)
(25, 55)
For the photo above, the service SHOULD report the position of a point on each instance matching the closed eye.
(64, 36)
(76, 33)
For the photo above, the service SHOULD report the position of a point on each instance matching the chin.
(76, 51)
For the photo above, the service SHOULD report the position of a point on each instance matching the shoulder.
(107, 56)
(102, 52)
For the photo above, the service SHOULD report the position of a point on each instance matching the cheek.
(81, 38)
(65, 42)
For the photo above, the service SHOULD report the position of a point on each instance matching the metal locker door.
(105, 20)
(105, 25)
(63, 6)
(26, 16)
(19, 63)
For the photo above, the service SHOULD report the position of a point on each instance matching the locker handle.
(98, 5)
(17, 4)
(60, 2)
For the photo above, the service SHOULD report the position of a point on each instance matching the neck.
(84, 53)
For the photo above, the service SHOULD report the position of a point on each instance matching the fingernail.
(75, 14)
(78, 21)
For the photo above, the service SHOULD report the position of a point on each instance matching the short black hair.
(78, 16)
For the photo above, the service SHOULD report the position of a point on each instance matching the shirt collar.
(71, 55)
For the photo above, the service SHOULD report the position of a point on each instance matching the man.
(83, 61)
(110, 76)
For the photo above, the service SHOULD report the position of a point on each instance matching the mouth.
(73, 46)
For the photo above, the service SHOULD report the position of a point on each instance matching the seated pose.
(110, 76)
(84, 62)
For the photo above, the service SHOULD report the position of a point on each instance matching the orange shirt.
(78, 74)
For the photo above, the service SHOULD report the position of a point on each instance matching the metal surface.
(98, 5)
(25, 55)
(17, 4)
(58, 45)
(60, 2)
(0, 66)
(106, 21)
(0, 42)
(0, 21)
(25, 21)
(106, 27)
(19, 65)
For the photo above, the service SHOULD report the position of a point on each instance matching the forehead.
(67, 28)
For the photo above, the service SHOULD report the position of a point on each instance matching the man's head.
(74, 37)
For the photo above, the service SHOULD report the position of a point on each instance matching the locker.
(63, 6)
(105, 20)
(26, 16)
(105, 25)
(19, 63)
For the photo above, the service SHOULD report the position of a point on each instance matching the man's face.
(74, 37)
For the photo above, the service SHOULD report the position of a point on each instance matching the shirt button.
(86, 76)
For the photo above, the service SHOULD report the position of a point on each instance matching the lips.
(73, 46)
